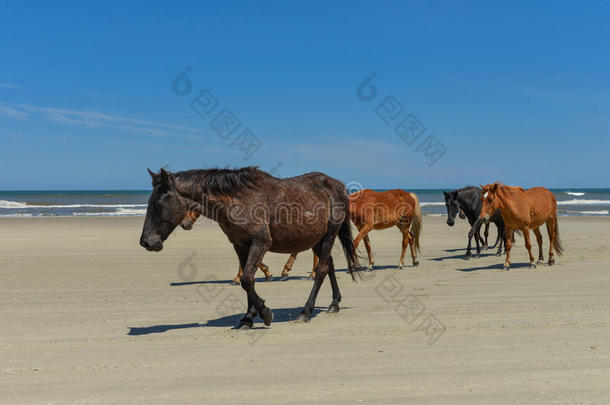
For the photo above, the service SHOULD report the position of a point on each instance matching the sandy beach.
(88, 316)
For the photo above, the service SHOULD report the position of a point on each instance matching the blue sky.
(514, 91)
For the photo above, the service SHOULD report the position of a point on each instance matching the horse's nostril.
(144, 244)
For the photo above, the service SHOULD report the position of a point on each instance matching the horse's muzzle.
(151, 247)
(450, 222)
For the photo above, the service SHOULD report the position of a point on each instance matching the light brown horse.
(193, 214)
(381, 210)
(524, 210)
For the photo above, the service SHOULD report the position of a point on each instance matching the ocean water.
(571, 202)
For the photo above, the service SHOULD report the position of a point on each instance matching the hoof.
(541, 262)
(532, 265)
(400, 267)
(415, 264)
(467, 257)
(485, 247)
(506, 267)
(267, 316)
(551, 262)
(303, 318)
(269, 277)
(233, 282)
(369, 268)
(310, 278)
(244, 325)
(333, 309)
(284, 277)
(478, 256)
(498, 253)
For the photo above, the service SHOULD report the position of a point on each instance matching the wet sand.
(88, 316)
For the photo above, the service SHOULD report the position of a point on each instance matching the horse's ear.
(446, 194)
(494, 188)
(166, 178)
(152, 174)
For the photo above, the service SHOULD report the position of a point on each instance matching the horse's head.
(491, 202)
(166, 210)
(453, 207)
(190, 219)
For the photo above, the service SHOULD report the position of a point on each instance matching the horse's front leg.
(478, 240)
(251, 257)
(486, 234)
(468, 254)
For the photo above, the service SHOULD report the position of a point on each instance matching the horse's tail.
(416, 224)
(557, 242)
(347, 241)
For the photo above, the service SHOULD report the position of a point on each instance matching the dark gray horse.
(259, 213)
(468, 201)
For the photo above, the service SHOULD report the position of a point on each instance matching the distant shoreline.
(129, 203)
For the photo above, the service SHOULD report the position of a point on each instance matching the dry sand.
(88, 316)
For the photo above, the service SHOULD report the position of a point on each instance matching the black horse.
(468, 201)
(258, 213)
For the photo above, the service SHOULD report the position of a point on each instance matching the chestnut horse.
(381, 210)
(524, 210)
(259, 213)
(194, 213)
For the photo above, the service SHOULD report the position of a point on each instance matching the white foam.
(429, 204)
(16, 215)
(120, 212)
(22, 205)
(584, 202)
(600, 212)
(12, 204)
(574, 193)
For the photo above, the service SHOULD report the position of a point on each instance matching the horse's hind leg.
(322, 249)
(334, 305)
(240, 272)
(316, 260)
(369, 252)
(265, 269)
(362, 233)
(413, 251)
(478, 240)
(528, 246)
(539, 241)
(288, 266)
(550, 227)
(500, 239)
(508, 246)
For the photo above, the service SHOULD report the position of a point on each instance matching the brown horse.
(524, 210)
(380, 210)
(258, 213)
(194, 213)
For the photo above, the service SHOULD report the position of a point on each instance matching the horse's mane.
(468, 187)
(222, 182)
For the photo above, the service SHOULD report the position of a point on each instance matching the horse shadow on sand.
(463, 256)
(496, 266)
(229, 282)
(279, 315)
